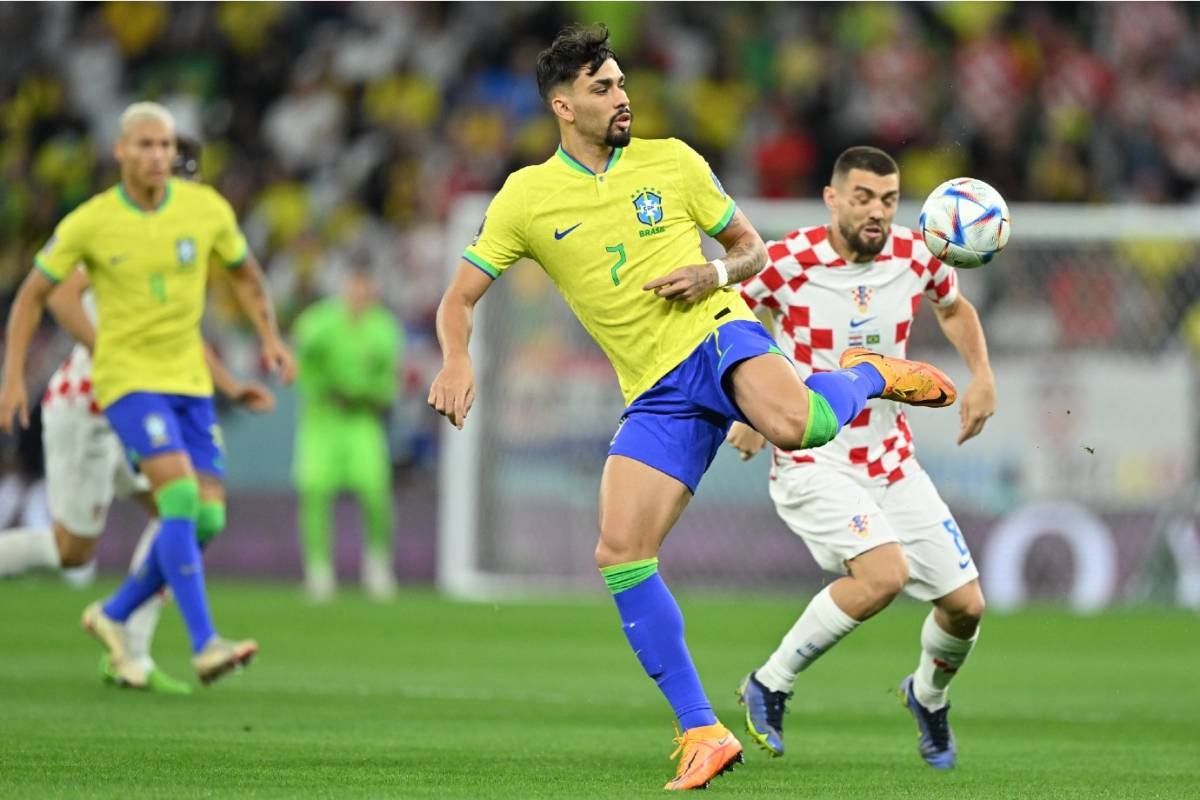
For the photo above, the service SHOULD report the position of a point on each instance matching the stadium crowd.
(344, 128)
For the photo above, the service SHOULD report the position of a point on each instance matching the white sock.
(819, 628)
(941, 657)
(81, 577)
(143, 621)
(23, 549)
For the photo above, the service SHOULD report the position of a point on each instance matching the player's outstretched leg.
(638, 505)
(947, 638)
(912, 382)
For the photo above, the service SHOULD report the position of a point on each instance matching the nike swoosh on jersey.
(855, 323)
(562, 234)
(964, 563)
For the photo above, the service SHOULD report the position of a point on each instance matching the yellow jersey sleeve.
(708, 204)
(64, 250)
(501, 239)
(229, 244)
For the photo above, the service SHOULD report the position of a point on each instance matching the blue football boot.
(764, 714)
(936, 742)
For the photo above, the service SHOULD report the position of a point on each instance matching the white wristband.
(722, 273)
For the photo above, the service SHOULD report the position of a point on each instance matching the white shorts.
(85, 467)
(839, 518)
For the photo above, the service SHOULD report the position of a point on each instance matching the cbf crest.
(648, 203)
(862, 298)
(156, 430)
(185, 251)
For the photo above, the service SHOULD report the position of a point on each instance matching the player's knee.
(885, 581)
(210, 520)
(969, 613)
(179, 499)
(612, 551)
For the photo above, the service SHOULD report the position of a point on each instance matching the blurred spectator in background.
(349, 348)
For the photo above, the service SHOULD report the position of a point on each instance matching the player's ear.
(830, 197)
(560, 104)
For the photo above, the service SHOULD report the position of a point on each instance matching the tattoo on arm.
(745, 253)
(744, 259)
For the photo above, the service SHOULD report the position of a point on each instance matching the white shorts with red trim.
(839, 518)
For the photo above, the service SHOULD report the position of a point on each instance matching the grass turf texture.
(427, 698)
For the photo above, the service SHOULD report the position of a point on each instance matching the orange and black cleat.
(704, 753)
(914, 383)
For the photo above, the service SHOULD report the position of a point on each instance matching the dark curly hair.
(576, 47)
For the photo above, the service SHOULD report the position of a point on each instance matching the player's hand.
(277, 359)
(975, 405)
(687, 284)
(745, 439)
(255, 397)
(13, 399)
(453, 391)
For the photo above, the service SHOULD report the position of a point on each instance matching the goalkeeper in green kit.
(349, 350)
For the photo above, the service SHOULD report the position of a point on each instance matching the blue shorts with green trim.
(677, 426)
(150, 424)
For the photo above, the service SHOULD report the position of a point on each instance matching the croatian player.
(862, 503)
(612, 220)
(86, 467)
(146, 244)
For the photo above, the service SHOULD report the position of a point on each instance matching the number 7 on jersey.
(619, 249)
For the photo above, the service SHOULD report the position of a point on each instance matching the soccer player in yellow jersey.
(146, 244)
(612, 220)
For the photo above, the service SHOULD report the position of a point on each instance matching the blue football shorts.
(150, 424)
(677, 426)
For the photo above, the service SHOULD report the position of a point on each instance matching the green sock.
(620, 577)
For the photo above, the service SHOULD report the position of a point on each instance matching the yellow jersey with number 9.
(602, 236)
(149, 271)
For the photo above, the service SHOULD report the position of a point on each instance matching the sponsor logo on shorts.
(860, 525)
(156, 429)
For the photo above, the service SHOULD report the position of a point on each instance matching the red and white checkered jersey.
(71, 383)
(823, 304)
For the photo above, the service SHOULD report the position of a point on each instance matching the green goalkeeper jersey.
(348, 365)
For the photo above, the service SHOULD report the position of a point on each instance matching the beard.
(861, 245)
(617, 138)
(614, 136)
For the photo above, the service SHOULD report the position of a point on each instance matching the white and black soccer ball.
(965, 223)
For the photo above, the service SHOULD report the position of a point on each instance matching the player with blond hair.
(146, 244)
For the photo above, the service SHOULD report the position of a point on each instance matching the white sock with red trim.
(941, 657)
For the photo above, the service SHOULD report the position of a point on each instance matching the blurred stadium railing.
(1082, 488)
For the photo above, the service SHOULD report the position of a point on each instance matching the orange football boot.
(703, 753)
(912, 382)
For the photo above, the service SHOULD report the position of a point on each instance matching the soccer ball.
(965, 223)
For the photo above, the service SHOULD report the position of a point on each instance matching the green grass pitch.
(431, 699)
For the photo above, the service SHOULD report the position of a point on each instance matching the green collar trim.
(571, 162)
(124, 195)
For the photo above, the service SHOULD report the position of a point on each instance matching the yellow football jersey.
(602, 236)
(148, 270)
